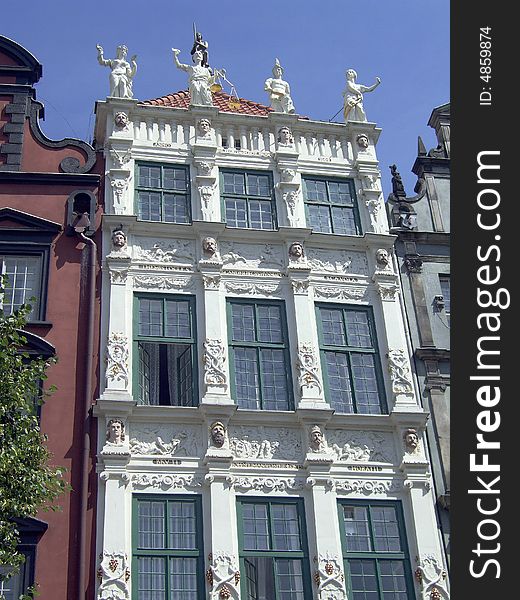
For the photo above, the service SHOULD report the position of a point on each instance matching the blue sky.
(406, 43)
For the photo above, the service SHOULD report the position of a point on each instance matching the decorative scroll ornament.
(204, 167)
(300, 286)
(113, 574)
(340, 293)
(387, 291)
(162, 282)
(214, 359)
(399, 368)
(329, 577)
(362, 486)
(223, 576)
(166, 482)
(211, 282)
(254, 289)
(360, 446)
(166, 252)
(432, 578)
(308, 367)
(266, 484)
(117, 358)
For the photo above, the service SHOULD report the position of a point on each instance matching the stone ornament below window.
(329, 577)
(432, 578)
(223, 576)
(113, 574)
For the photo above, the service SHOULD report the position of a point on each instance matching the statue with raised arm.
(122, 71)
(279, 91)
(200, 78)
(353, 97)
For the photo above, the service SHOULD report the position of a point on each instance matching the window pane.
(150, 317)
(174, 179)
(183, 578)
(343, 221)
(175, 208)
(149, 206)
(149, 177)
(177, 319)
(289, 579)
(255, 526)
(247, 384)
(151, 578)
(446, 292)
(269, 324)
(261, 214)
(358, 330)
(286, 528)
(144, 374)
(316, 191)
(393, 581)
(234, 183)
(319, 217)
(182, 529)
(339, 193)
(355, 522)
(386, 530)
(151, 525)
(363, 580)
(258, 185)
(339, 382)
(332, 327)
(236, 212)
(185, 376)
(365, 384)
(243, 322)
(274, 379)
(24, 281)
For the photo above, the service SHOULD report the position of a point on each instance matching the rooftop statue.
(200, 44)
(122, 72)
(353, 97)
(279, 91)
(200, 78)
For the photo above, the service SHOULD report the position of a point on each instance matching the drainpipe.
(86, 421)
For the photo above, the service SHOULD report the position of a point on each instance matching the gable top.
(18, 63)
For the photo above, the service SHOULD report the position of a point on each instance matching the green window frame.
(165, 350)
(162, 193)
(259, 354)
(248, 199)
(350, 359)
(331, 205)
(375, 551)
(273, 548)
(167, 547)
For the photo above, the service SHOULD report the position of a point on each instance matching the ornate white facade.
(170, 451)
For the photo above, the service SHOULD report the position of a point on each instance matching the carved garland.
(117, 358)
(266, 484)
(214, 359)
(308, 367)
(113, 574)
(400, 372)
(166, 482)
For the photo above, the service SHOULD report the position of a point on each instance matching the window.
(168, 548)
(24, 281)
(331, 206)
(375, 553)
(248, 199)
(163, 193)
(350, 362)
(165, 351)
(273, 550)
(446, 294)
(259, 355)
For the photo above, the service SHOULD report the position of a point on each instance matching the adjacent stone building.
(422, 226)
(48, 220)
(259, 435)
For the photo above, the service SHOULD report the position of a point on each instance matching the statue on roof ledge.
(122, 72)
(353, 97)
(200, 78)
(279, 91)
(200, 44)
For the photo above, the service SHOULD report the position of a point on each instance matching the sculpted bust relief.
(217, 434)
(115, 432)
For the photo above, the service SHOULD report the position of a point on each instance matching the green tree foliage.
(27, 482)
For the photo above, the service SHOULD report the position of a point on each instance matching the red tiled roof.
(221, 100)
